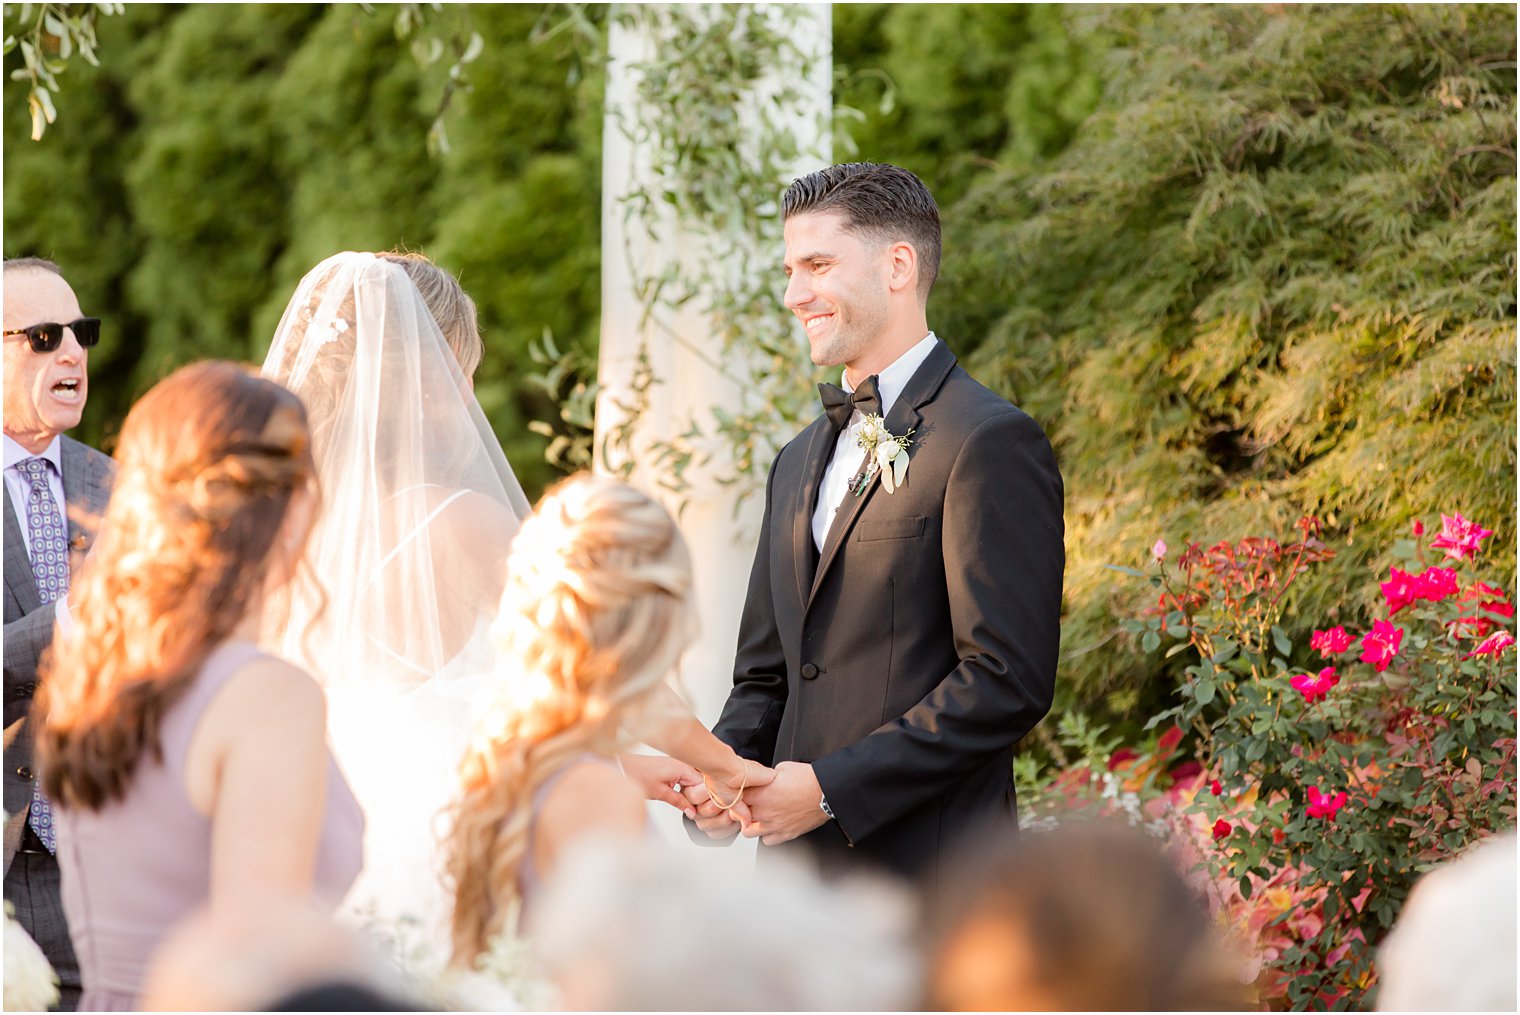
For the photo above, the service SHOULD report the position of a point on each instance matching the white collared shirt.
(18, 488)
(848, 455)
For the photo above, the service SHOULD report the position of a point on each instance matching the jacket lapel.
(804, 553)
(904, 416)
(84, 492)
(18, 567)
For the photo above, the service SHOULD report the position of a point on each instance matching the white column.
(684, 353)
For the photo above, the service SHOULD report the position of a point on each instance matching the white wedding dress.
(407, 563)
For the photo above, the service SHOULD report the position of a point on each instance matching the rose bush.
(1306, 791)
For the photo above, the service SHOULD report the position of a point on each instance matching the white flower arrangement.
(886, 454)
(30, 982)
(507, 977)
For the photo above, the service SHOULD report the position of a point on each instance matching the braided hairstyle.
(208, 463)
(595, 613)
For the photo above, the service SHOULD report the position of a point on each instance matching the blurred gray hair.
(32, 263)
(647, 928)
(1453, 947)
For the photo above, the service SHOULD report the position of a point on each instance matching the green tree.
(1274, 273)
(220, 151)
(952, 91)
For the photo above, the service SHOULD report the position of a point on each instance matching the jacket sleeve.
(751, 718)
(1004, 557)
(752, 715)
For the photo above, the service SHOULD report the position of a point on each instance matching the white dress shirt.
(18, 488)
(848, 455)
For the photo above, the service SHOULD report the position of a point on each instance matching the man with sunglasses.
(55, 488)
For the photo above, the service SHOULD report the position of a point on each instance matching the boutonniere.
(886, 453)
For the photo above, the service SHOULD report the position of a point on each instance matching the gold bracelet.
(743, 782)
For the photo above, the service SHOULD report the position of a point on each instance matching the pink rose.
(1471, 621)
(1316, 687)
(1159, 550)
(1493, 645)
(1436, 584)
(1400, 590)
(1321, 806)
(1459, 537)
(1381, 644)
(1331, 642)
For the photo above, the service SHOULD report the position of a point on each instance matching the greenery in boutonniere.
(885, 453)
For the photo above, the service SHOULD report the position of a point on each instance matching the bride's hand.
(658, 776)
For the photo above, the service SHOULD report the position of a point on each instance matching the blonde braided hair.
(595, 613)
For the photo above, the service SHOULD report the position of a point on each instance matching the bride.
(419, 508)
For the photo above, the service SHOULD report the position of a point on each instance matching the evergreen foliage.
(222, 150)
(953, 90)
(1274, 273)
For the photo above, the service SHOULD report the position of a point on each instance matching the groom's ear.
(902, 266)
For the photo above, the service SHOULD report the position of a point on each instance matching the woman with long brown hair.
(596, 611)
(186, 764)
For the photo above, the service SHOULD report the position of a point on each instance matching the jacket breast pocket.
(871, 529)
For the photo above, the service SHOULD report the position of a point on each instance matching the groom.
(901, 631)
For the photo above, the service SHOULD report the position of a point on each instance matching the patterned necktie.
(50, 568)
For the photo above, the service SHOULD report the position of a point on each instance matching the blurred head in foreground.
(650, 929)
(1088, 917)
(1453, 947)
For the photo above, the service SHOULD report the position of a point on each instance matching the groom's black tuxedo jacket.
(907, 659)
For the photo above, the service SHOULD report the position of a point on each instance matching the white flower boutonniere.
(886, 453)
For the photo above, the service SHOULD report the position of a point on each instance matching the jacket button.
(809, 671)
(24, 772)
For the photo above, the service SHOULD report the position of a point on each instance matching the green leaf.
(1281, 642)
(1150, 641)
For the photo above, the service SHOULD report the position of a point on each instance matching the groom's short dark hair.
(885, 202)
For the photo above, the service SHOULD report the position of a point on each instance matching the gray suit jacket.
(87, 478)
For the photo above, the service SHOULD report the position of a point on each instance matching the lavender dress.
(136, 868)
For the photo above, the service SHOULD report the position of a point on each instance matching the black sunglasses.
(47, 337)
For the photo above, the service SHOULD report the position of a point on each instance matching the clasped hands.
(774, 804)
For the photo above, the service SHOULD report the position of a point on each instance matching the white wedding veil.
(418, 501)
(408, 553)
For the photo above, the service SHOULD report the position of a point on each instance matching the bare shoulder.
(591, 795)
(479, 510)
(267, 685)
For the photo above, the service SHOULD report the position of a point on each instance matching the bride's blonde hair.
(595, 613)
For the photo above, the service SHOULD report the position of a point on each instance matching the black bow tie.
(840, 404)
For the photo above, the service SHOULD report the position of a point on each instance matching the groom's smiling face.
(837, 286)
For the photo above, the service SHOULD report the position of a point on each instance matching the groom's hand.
(786, 808)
